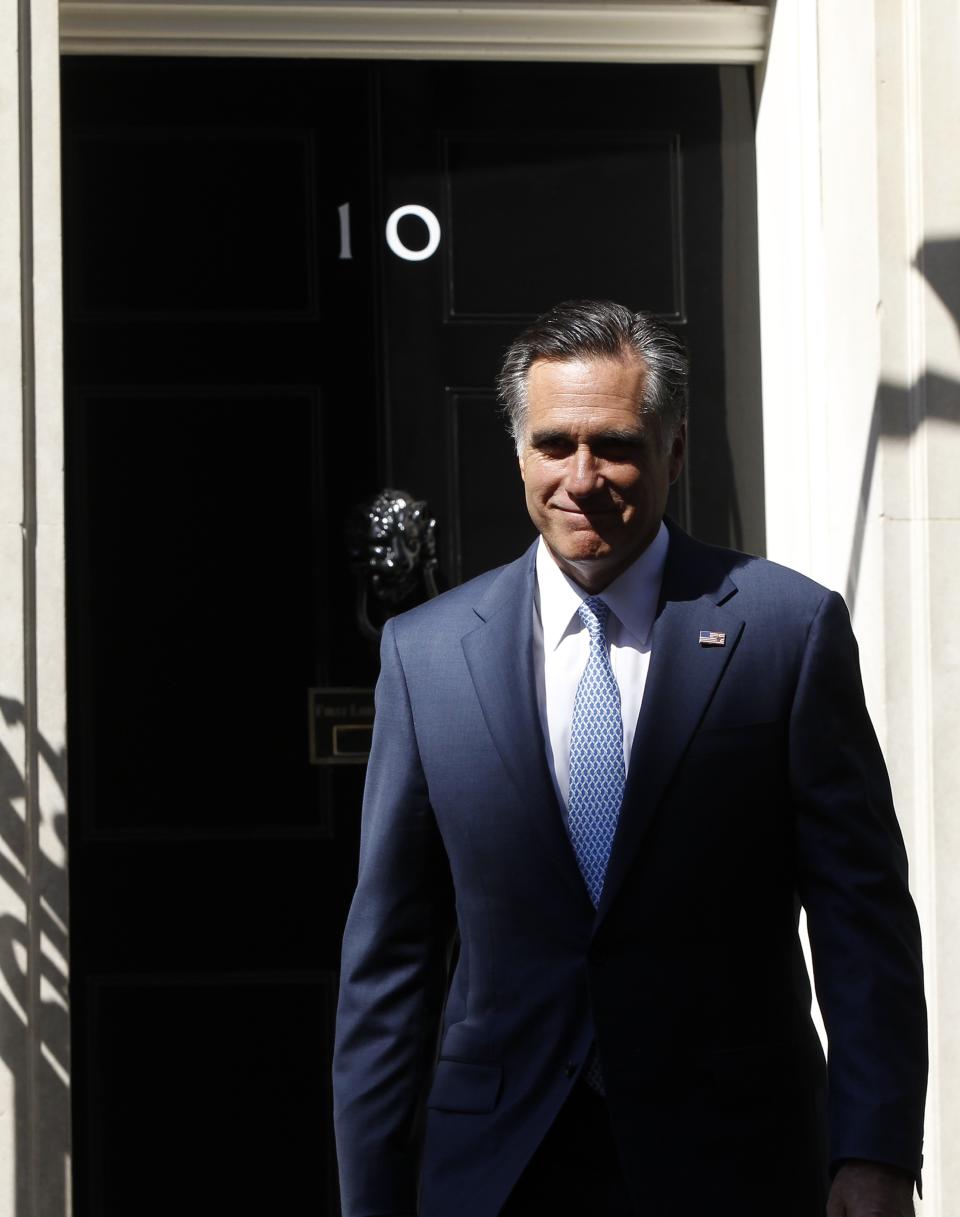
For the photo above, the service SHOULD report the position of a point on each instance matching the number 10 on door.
(395, 243)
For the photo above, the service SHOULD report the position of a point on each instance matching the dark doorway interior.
(247, 356)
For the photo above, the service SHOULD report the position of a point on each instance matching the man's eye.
(620, 450)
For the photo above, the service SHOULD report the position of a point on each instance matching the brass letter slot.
(341, 726)
(352, 740)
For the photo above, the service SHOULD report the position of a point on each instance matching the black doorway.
(251, 349)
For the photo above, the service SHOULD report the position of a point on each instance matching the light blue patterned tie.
(597, 772)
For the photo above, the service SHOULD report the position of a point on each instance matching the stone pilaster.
(34, 1013)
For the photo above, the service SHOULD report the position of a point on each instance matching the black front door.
(288, 285)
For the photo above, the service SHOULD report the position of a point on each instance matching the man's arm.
(864, 934)
(393, 966)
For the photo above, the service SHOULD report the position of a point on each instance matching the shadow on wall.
(34, 1021)
(897, 411)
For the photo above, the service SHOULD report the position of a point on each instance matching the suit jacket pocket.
(465, 1086)
(739, 736)
(753, 1068)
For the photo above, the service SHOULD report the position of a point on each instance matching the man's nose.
(583, 476)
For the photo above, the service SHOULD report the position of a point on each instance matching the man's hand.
(870, 1189)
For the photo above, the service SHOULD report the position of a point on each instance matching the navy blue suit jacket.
(755, 785)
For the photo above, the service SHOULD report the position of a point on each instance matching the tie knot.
(594, 614)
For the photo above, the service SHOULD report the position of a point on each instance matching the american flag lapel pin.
(712, 638)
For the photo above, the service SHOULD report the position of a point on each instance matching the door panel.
(538, 217)
(550, 183)
(227, 466)
(216, 430)
(210, 1116)
(204, 192)
(248, 356)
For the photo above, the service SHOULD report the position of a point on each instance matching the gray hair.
(598, 329)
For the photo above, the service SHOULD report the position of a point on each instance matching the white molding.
(34, 1029)
(790, 251)
(483, 29)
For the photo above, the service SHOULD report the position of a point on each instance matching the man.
(617, 767)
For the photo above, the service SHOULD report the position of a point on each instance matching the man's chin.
(587, 553)
(591, 560)
(584, 548)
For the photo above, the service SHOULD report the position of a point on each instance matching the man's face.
(593, 467)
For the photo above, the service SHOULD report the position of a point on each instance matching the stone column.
(859, 221)
(34, 1015)
(918, 65)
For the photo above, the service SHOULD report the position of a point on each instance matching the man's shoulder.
(753, 573)
(755, 578)
(454, 610)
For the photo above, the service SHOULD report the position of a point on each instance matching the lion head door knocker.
(393, 555)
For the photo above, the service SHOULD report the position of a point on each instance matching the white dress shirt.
(561, 646)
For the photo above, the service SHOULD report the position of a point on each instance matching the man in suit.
(613, 771)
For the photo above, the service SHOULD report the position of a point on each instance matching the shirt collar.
(632, 597)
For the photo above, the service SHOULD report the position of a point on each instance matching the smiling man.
(612, 772)
(595, 469)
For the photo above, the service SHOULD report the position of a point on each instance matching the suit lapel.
(499, 654)
(681, 681)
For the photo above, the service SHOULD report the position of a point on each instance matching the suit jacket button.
(570, 1068)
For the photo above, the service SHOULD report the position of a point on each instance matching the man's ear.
(678, 451)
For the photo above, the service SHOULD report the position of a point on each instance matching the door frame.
(479, 29)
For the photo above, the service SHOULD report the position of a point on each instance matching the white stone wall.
(918, 70)
(34, 1027)
(859, 205)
